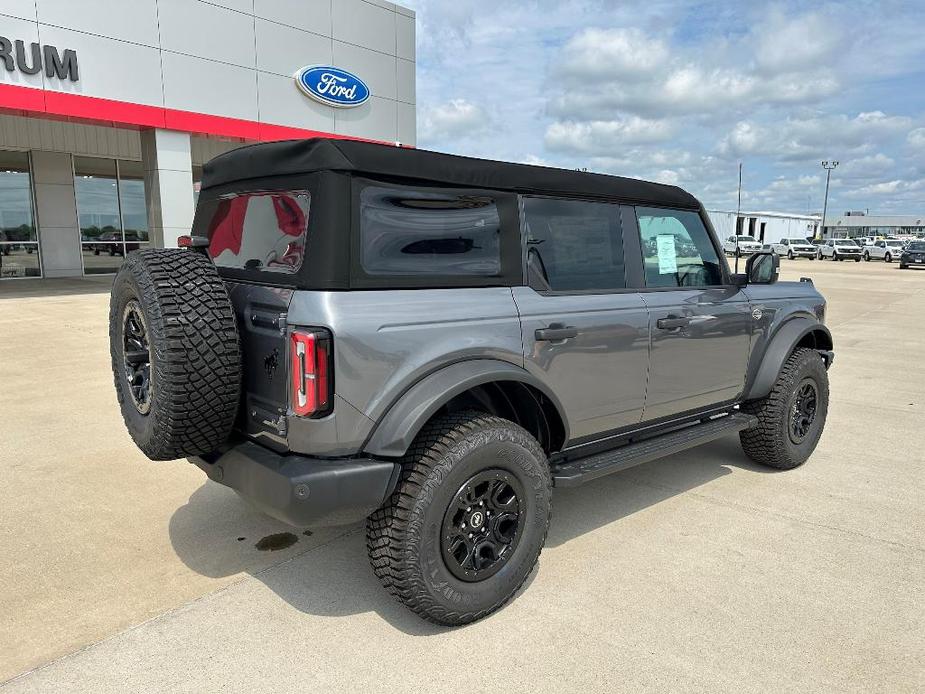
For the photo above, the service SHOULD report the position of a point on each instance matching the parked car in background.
(794, 248)
(884, 250)
(913, 255)
(746, 245)
(839, 249)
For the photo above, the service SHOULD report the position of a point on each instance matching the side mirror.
(763, 268)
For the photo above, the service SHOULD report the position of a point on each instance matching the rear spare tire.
(176, 359)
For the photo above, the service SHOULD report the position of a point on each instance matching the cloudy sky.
(680, 91)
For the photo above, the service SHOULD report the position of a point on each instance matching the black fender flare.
(779, 348)
(394, 433)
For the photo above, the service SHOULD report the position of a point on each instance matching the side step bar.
(576, 472)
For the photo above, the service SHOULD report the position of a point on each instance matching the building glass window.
(111, 211)
(19, 248)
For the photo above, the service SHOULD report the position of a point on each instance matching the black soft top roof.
(320, 154)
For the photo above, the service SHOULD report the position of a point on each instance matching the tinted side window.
(677, 249)
(574, 245)
(421, 232)
(262, 231)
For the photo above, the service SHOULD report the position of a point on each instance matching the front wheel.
(792, 416)
(888, 258)
(866, 257)
(467, 521)
(789, 255)
(857, 260)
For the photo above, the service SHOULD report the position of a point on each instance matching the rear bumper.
(303, 491)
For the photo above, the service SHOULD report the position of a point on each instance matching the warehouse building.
(767, 227)
(108, 110)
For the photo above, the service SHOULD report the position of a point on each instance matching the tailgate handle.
(263, 320)
(555, 332)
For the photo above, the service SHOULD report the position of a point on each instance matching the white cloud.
(795, 44)
(626, 54)
(813, 137)
(455, 118)
(600, 138)
(916, 138)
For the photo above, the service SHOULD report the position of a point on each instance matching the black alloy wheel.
(136, 357)
(803, 410)
(481, 527)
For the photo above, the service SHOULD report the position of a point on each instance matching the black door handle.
(555, 332)
(672, 322)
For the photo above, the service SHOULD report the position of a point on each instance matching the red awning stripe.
(34, 102)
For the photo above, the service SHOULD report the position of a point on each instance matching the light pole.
(828, 166)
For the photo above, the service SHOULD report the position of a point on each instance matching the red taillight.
(311, 384)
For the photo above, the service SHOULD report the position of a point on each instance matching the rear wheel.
(175, 355)
(791, 418)
(467, 521)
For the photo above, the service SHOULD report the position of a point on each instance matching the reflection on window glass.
(19, 250)
(263, 231)
(111, 211)
(574, 245)
(677, 249)
(420, 232)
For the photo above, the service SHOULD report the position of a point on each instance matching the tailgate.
(261, 317)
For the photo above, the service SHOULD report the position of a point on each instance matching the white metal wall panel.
(376, 119)
(28, 32)
(377, 70)
(109, 68)
(282, 50)
(204, 86)
(311, 15)
(407, 124)
(136, 23)
(207, 31)
(21, 9)
(406, 83)
(282, 102)
(405, 36)
(362, 24)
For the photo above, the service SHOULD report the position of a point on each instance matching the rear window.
(262, 231)
(429, 232)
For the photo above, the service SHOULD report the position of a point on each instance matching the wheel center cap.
(476, 519)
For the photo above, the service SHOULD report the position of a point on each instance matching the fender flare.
(779, 348)
(394, 433)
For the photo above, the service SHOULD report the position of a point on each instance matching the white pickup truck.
(884, 249)
(746, 245)
(795, 248)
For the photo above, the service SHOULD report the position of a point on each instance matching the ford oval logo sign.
(332, 86)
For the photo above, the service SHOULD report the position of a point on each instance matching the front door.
(699, 323)
(584, 333)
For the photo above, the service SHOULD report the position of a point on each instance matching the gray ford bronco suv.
(432, 343)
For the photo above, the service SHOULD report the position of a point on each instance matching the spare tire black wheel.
(176, 358)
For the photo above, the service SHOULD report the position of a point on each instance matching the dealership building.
(108, 110)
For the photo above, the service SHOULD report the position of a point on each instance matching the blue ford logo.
(332, 86)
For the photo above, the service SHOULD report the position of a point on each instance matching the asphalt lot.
(700, 572)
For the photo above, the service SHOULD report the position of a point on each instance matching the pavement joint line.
(174, 610)
(775, 514)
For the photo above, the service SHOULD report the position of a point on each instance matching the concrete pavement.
(699, 572)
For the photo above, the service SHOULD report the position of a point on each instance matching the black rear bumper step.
(577, 472)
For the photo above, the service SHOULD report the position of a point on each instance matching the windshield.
(845, 242)
(746, 238)
(916, 246)
(895, 243)
(798, 242)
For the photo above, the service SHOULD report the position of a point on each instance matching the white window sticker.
(667, 255)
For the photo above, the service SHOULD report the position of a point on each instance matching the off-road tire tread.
(764, 443)
(388, 528)
(197, 355)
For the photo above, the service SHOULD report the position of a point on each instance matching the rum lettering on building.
(30, 59)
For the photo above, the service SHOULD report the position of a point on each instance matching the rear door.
(257, 240)
(584, 333)
(700, 324)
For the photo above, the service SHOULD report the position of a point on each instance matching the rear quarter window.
(263, 231)
(431, 233)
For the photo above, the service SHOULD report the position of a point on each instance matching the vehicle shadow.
(327, 573)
